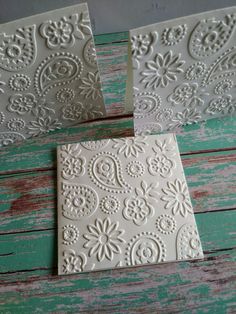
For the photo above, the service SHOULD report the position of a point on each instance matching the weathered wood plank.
(39, 153)
(37, 249)
(170, 288)
(28, 200)
(104, 39)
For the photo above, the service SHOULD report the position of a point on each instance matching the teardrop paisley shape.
(56, 70)
(80, 201)
(188, 243)
(146, 104)
(224, 66)
(210, 35)
(105, 172)
(18, 51)
(145, 248)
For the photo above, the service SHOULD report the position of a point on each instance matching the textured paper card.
(184, 70)
(48, 74)
(123, 202)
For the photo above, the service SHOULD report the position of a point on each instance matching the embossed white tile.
(123, 202)
(48, 74)
(184, 70)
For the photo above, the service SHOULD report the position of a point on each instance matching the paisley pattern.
(210, 35)
(18, 51)
(56, 70)
(49, 76)
(115, 211)
(188, 242)
(224, 66)
(79, 201)
(146, 104)
(89, 54)
(145, 248)
(105, 172)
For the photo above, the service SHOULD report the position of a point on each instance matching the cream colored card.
(48, 74)
(123, 202)
(183, 70)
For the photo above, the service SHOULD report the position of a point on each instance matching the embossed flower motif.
(105, 167)
(72, 111)
(164, 115)
(73, 262)
(19, 82)
(2, 117)
(138, 210)
(160, 165)
(59, 34)
(219, 104)
(73, 163)
(43, 125)
(188, 116)
(104, 239)
(73, 167)
(61, 69)
(80, 201)
(162, 70)
(21, 103)
(140, 45)
(177, 198)
(77, 111)
(65, 95)
(130, 146)
(16, 124)
(110, 204)
(186, 94)
(135, 169)
(195, 71)
(12, 49)
(146, 253)
(70, 234)
(91, 112)
(223, 86)
(173, 35)
(166, 224)
(91, 86)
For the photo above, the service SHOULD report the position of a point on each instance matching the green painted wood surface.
(28, 254)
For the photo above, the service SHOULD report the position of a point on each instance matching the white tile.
(123, 202)
(184, 70)
(48, 74)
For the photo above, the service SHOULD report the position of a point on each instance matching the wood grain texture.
(28, 254)
(29, 199)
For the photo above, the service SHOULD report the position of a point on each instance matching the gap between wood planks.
(54, 269)
(44, 169)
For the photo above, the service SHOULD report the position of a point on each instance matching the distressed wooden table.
(28, 249)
